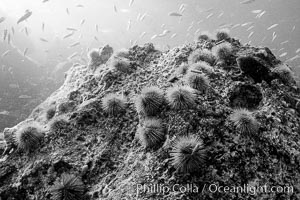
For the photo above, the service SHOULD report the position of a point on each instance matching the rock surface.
(103, 151)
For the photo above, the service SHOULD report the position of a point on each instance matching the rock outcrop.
(104, 150)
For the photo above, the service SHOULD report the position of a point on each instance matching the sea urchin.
(244, 121)
(29, 137)
(113, 104)
(68, 187)
(181, 97)
(152, 133)
(188, 154)
(150, 100)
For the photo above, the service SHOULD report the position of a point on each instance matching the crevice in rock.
(245, 96)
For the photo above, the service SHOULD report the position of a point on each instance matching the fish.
(97, 27)
(283, 54)
(264, 38)
(251, 27)
(73, 55)
(44, 40)
(246, 24)
(68, 35)
(82, 22)
(79, 6)
(197, 31)
(67, 11)
(256, 11)
(298, 50)
(260, 14)
(164, 33)
(10, 69)
(181, 11)
(182, 6)
(189, 28)
(220, 15)
(174, 14)
(143, 34)
(5, 112)
(138, 17)
(71, 29)
(202, 11)
(8, 38)
(220, 25)
(23, 96)
(294, 58)
(200, 21)
(294, 27)
(25, 52)
(284, 42)
(281, 49)
(272, 26)
(143, 17)
(44, 1)
(106, 31)
(4, 34)
(95, 37)
(74, 44)
(173, 35)
(115, 8)
(209, 9)
(43, 26)
(26, 31)
(153, 37)
(25, 16)
(13, 85)
(247, 1)
(124, 10)
(235, 26)
(209, 16)
(12, 30)
(250, 34)
(2, 19)
(274, 36)
(131, 2)
(129, 25)
(5, 53)
(225, 26)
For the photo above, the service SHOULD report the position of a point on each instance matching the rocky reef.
(232, 121)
